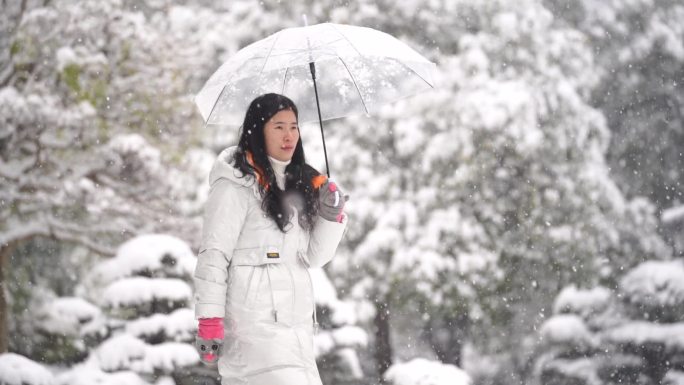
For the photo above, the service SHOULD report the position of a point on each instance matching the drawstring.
(292, 280)
(275, 312)
(315, 324)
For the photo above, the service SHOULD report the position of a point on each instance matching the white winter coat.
(256, 277)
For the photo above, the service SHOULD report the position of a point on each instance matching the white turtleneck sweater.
(279, 171)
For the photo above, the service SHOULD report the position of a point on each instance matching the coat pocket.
(256, 256)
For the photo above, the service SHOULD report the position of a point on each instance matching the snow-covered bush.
(568, 331)
(582, 302)
(19, 370)
(147, 326)
(421, 371)
(640, 340)
(66, 323)
(654, 291)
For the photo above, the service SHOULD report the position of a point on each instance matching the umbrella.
(328, 70)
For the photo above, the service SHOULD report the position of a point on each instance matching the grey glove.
(209, 349)
(331, 202)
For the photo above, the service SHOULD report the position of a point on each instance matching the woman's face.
(281, 135)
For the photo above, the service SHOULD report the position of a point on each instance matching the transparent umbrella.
(328, 70)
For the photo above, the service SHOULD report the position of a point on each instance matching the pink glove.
(209, 339)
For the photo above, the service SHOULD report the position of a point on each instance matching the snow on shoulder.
(19, 370)
(421, 371)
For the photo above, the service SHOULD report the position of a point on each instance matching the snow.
(673, 214)
(165, 380)
(582, 369)
(421, 371)
(149, 253)
(323, 343)
(655, 284)
(673, 377)
(351, 358)
(324, 291)
(567, 329)
(125, 352)
(118, 353)
(166, 357)
(179, 325)
(639, 333)
(140, 290)
(19, 370)
(66, 315)
(352, 336)
(80, 57)
(125, 144)
(581, 302)
(86, 374)
(343, 312)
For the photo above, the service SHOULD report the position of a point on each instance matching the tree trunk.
(5, 252)
(383, 346)
(446, 335)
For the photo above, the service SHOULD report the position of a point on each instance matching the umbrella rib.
(417, 74)
(347, 68)
(357, 51)
(355, 85)
(214, 106)
(347, 39)
(269, 53)
(282, 90)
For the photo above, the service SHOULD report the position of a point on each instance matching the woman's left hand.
(332, 202)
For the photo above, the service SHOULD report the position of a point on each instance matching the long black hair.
(251, 159)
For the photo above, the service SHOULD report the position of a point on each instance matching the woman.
(269, 217)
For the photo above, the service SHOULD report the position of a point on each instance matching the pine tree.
(600, 337)
(147, 325)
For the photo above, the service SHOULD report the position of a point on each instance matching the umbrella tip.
(306, 22)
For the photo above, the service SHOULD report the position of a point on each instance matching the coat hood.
(223, 168)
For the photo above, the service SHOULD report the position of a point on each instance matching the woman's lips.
(287, 148)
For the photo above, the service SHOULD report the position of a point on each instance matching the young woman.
(269, 217)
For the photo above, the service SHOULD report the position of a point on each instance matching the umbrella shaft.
(312, 67)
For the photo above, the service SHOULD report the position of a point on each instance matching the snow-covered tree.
(600, 337)
(492, 193)
(146, 326)
(639, 51)
(97, 121)
(339, 340)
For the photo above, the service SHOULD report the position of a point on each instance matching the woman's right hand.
(209, 340)
(209, 349)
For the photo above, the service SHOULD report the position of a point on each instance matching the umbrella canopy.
(357, 70)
